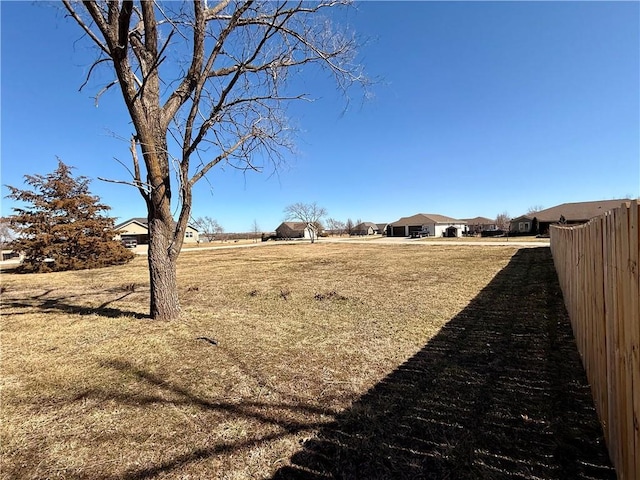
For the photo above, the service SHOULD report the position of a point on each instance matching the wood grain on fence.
(598, 268)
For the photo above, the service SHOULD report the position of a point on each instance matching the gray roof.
(480, 221)
(365, 225)
(575, 212)
(296, 226)
(141, 220)
(422, 218)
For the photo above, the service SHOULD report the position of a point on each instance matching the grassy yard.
(304, 334)
(514, 239)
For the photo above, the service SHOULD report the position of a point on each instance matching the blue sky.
(479, 108)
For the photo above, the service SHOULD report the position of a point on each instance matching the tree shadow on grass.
(64, 304)
(499, 393)
(289, 418)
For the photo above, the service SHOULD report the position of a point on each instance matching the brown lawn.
(93, 389)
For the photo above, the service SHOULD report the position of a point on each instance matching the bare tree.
(336, 226)
(309, 213)
(348, 227)
(255, 229)
(534, 209)
(204, 83)
(502, 221)
(356, 225)
(208, 227)
(7, 234)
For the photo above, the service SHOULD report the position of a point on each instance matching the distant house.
(478, 225)
(295, 230)
(6, 236)
(430, 224)
(8, 254)
(138, 229)
(523, 224)
(382, 228)
(567, 213)
(366, 228)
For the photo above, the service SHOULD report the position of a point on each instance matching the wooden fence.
(598, 265)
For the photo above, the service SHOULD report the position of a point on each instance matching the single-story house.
(566, 213)
(296, 230)
(138, 229)
(366, 228)
(382, 228)
(478, 225)
(429, 224)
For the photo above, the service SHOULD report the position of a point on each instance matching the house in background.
(138, 229)
(8, 254)
(366, 228)
(382, 228)
(430, 224)
(523, 225)
(6, 236)
(478, 225)
(567, 213)
(295, 230)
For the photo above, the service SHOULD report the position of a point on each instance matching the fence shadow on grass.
(499, 393)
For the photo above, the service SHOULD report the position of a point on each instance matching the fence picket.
(633, 329)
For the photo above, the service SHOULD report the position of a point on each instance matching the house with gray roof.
(429, 224)
(366, 228)
(566, 213)
(288, 230)
(137, 229)
(477, 225)
(382, 228)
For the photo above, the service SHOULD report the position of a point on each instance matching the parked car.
(130, 243)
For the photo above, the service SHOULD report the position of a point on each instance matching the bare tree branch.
(96, 99)
(121, 182)
(95, 64)
(137, 179)
(85, 27)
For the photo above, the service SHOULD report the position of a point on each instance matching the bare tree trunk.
(165, 304)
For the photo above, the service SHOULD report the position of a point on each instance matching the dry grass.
(499, 393)
(220, 243)
(515, 239)
(91, 388)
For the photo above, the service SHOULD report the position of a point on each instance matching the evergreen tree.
(63, 226)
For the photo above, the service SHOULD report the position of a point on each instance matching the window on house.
(188, 235)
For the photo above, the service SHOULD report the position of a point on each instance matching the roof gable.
(139, 220)
(296, 226)
(521, 218)
(365, 225)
